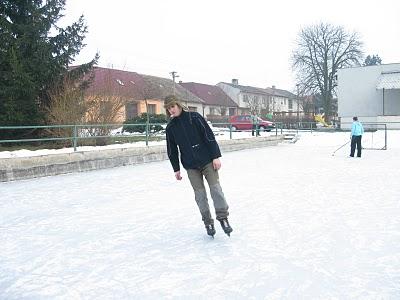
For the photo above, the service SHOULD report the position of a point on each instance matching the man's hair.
(355, 119)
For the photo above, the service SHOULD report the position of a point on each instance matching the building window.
(231, 111)
(245, 98)
(212, 111)
(264, 101)
(192, 108)
(290, 104)
(131, 110)
(151, 109)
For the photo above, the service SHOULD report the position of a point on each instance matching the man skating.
(199, 153)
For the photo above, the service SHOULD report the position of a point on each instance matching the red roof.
(116, 82)
(210, 94)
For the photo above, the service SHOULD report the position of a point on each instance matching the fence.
(108, 133)
(82, 132)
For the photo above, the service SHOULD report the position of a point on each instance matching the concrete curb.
(55, 164)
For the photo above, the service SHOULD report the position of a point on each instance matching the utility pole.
(273, 100)
(174, 75)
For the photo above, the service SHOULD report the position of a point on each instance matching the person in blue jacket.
(189, 135)
(357, 130)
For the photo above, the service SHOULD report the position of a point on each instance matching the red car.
(243, 122)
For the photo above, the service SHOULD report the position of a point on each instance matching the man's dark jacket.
(195, 139)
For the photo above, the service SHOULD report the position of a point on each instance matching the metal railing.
(78, 132)
(82, 132)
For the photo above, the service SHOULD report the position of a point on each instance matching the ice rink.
(307, 225)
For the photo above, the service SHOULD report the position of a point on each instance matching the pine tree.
(372, 60)
(35, 55)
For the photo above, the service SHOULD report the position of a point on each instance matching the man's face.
(174, 110)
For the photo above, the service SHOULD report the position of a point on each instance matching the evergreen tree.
(372, 60)
(34, 56)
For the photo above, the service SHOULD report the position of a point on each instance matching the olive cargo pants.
(197, 182)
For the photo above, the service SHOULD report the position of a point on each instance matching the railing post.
(230, 131)
(147, 133)
(75, 137)
(385, 136)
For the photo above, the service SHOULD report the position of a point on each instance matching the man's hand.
(216, 164)
(178, 175)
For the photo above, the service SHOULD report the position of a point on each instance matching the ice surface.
(307, 225)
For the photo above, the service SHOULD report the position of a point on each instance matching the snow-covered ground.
(307, 225)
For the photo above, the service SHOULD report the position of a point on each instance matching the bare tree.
(106, 105)
(323, 49)
(304, 102)
(253, 103)
(66, 106)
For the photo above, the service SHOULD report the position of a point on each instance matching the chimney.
(180, 81)
(235, 81)
(273, 87)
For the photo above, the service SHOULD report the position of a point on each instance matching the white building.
(372, 93)
(264, 100)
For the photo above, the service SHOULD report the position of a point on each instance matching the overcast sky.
(209, 41)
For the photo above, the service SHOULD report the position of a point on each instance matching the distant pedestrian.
(188, 133)
(255, 124)
(357, 130)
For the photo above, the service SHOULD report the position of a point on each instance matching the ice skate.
(226, 227)
(210, 230)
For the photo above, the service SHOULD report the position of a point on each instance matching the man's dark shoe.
(226, 227)
(210, 230)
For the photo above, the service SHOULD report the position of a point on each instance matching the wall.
(199, 107)
(50, 165)
(358, 96)
(159, 106)
(232, 92)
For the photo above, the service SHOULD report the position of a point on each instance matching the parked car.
(243, 122)
(215, 130)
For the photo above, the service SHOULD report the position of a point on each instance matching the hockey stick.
(340, 148)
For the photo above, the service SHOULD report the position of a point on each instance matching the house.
(126, 94)
(284, 103)
(114, 90)
(158, 88)
(370, 92)
(216, 102)
(265, 101)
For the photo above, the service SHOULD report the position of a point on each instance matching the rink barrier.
(19, 168)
